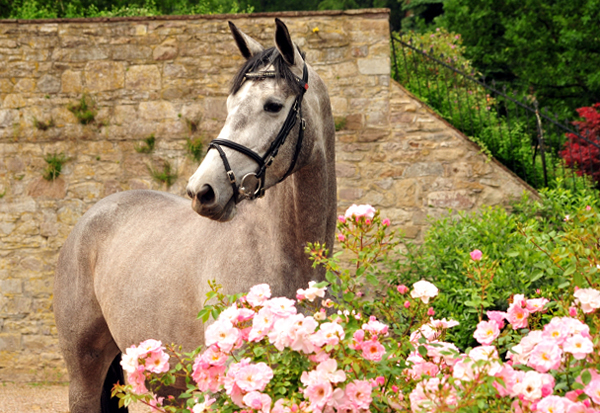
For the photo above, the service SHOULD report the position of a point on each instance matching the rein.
(252, 184)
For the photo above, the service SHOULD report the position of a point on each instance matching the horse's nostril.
(190, 194)
(206, 195)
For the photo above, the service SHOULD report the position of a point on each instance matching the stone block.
(41, 188)
(71, 82)
(86, 191)
(48, 84)
(345, 170)
(458, 200)
(410, 231)
(166, 51)
(157, 110)
(373, 135)
(10, 342)
(103, 76)
(25, 86)
(14, 101)
(374, 66)
(406, 190)
(424, 169)
(143, 77)
(38, 342)
(350, 194)
(11, 286)
(131, 52)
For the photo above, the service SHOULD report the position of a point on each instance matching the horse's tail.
(114, 375)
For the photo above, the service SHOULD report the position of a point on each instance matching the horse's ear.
(247, 45)
(285, 46)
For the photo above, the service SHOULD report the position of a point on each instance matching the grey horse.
(137, 264)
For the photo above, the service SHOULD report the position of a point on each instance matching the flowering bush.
(584, 154)
(374, 347)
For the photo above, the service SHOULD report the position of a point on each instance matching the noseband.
(252, 184)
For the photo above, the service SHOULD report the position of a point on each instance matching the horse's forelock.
(262, 60)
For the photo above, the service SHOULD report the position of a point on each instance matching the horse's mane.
(263, 59)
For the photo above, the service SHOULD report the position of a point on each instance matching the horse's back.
(126, 241)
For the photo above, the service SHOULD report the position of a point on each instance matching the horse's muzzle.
(205, 203)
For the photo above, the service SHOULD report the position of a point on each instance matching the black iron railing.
(510, 127)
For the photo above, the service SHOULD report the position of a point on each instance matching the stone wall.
(168, 77)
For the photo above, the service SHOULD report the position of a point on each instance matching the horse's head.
(262, 141)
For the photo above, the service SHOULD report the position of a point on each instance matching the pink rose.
(360, 211)
(359, 394)
(341, 237)
(402, 289)
(258, 294)
(497, 317)
(517, 315)
(385, 222)
(545, 356)
(476, 255)
(372, 350)
(486, 332)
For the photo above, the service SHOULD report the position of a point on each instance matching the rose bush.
(377, 347)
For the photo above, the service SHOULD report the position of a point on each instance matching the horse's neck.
(299, 210)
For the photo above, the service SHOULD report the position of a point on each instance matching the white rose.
(588, 298)
(424, 290)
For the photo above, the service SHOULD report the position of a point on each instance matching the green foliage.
(32, 9)
(195, 148)
(85, 110)
(147, 145)
(47, 9)
(550, 48)
(55, 163)
(167, 175)
(518, 265)
(501, 127)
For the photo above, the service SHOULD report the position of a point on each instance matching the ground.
(43, 398)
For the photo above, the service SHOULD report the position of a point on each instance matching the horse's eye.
(273, 107)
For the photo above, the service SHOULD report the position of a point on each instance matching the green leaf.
(374, 281)
(331, 277)
(586, 377)
(422, 351)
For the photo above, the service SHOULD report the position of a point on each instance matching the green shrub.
(505, 238)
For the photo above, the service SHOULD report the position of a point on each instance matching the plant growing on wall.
(55, 163)
(194, 148)
(146, 146)
(167, 175)
(84, 110)
(41, 125)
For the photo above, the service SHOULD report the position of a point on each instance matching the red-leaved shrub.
(581, 154)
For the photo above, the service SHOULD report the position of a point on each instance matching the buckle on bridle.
(231, 176)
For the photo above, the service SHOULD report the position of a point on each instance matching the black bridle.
(252, 184)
